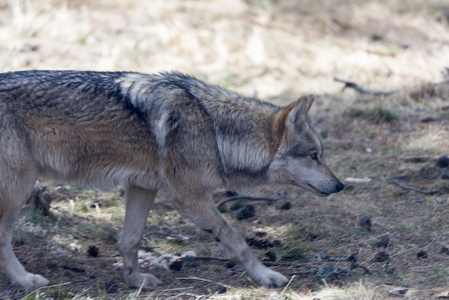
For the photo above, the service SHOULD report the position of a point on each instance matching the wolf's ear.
(299, 109)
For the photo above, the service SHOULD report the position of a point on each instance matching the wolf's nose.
(339, 186)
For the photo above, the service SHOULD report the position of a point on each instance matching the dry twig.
(363, 90)
(332, 271)
(281, 195)
(406, 187)
(350, 257)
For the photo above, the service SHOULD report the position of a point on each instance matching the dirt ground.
(385, 148)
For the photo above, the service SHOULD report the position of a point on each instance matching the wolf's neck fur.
(247, 134)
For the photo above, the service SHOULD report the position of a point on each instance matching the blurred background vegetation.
(272, 47)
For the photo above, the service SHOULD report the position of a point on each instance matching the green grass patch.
(35, 217)
(292, 254)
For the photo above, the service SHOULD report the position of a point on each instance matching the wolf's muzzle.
(339, 186)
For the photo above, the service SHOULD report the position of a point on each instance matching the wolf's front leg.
(138, 205)
(203, 213)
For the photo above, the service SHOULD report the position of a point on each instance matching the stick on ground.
(363, 90)
(406, 187)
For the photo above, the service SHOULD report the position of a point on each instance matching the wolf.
(148, 132)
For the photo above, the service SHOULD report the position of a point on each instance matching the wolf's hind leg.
(204, 214)
(138, 205)
(16, 186)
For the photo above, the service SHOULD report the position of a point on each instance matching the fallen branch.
(363, 90)
(350, 257)
(333, 271)
(355, 265)
(406, 187)
(281, 195)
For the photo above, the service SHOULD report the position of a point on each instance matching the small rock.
(365, 222)
(93, 251)
(245, 212)
(398, 292)
(75, 247)
(111, 287)
(443, 161)
(422, 254)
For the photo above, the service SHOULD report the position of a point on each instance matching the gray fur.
(146, 133)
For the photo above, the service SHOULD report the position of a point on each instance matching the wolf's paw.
(33, 281)
(142, 280)
(269, 278)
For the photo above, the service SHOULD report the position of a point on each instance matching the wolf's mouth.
(318, 192)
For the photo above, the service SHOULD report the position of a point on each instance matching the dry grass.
(272, 47)
(278, 50)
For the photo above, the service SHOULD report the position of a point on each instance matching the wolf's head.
(299, 158)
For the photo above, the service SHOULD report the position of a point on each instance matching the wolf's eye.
(314, 156)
